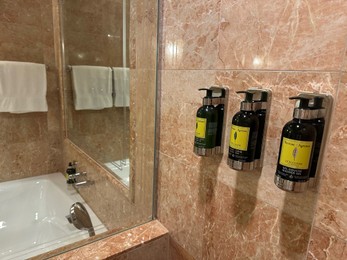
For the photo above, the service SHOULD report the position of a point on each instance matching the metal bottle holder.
(257, 163)
(220, 96)
(312, 183)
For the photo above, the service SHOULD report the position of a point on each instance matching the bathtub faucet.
(79, 179)
(80, 218)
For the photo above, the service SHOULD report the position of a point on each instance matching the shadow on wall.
(295, 232)
(244, 206)
(208, 178)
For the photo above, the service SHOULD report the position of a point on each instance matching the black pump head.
(248, 97)
(317, 103)
(247, 104)
(303, 104)
(264, 96)
(208, 92)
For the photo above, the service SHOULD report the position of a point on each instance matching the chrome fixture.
(79, 179)
(80, 218)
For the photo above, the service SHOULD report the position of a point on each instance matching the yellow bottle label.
(296, 154)
(200, 130)
(239, 136)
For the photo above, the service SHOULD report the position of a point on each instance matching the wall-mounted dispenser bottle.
(243, 135)
(300, 157)
(206, 126)
(262, 113)
(296, 149)
(219, 100)
(71, 170)
(319, 124)
(209, 131)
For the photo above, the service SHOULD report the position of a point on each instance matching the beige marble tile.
(145, 34)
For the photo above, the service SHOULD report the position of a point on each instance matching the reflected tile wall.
(30, 38)
(107, 199)
(212, 211)
(120, 208)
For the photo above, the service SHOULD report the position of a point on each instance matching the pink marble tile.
(155, 250)
(176, 252)
(180, 100)
(27, 35)
(190, 35)
(290, 215)
(304, 35)
(180, 204)
(332, 200)
(296, 35)
(239, 226)
(21, 12)
(324, 245)
(110, 247)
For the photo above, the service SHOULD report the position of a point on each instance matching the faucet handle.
(85, 183)
(84, 174)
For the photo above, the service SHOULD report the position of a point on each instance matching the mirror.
(97, 81)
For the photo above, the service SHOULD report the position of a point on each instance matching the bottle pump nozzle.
(303, 111)
(303, 104)
(247, 104)
(317, 103)
(207, 100)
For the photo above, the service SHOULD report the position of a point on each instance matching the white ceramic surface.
(121, 170)
(32, 216)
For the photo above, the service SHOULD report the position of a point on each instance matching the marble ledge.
(117, 244)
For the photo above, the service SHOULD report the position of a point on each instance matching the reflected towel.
(121, 87)
(92, 87)
(23, 87)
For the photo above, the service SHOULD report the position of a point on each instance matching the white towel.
(23, 87)
(121, 87)
(92, 87)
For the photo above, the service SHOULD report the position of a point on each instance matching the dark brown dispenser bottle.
(243, 135)
(261, 114)
(206, 126)
(296, 149)
(319, 124)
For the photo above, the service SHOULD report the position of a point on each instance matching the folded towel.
(121, 87)
(23, 87)
(92, 87)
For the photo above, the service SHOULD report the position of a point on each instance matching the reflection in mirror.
(96, 58)
(103, 37)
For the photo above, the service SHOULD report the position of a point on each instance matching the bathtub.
(32, 216)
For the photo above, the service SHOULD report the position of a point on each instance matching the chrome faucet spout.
(80, 218)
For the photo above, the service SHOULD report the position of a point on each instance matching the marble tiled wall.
(30, 143)
(212, 211)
